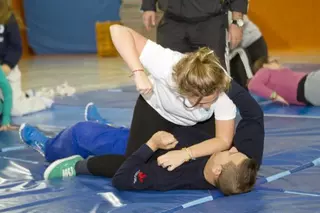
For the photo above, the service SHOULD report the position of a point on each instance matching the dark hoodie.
(10, 43)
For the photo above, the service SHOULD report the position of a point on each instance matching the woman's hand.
(235, 35)
(143, 83)
(173, 159)
(7, 127)
(281, 100)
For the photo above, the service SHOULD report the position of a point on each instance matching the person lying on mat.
(96, 138)
(273, 81)
(230, 171)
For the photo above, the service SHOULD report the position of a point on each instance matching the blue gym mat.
(292, 143)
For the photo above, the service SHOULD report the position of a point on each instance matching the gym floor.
(292, 143)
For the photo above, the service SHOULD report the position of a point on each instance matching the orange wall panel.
(287, 25)
(290, 25)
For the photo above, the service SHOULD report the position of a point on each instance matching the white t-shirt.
(166, 101)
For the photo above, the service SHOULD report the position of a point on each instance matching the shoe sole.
(54, 164)
(86, 111)
(20, 130)
(24, 143)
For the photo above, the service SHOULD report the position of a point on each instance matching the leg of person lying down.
(311, 86)
(84, 138)
(64, 144)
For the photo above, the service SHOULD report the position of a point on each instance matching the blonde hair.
(237, 179)
(200, 74)
(6, 12)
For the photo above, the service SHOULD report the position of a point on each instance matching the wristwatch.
(238, 22)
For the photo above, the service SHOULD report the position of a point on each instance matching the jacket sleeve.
(14, 51)
(249, 136)
(135, 173)
(239, 6)
(5, 87)
(258, 84)
(149, 5)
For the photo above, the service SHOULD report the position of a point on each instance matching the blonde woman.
(181, 89)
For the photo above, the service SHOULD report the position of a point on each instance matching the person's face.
(231, 155)
(272, 64)
(204, 102)
(222, 158)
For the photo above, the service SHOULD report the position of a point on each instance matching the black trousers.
(255, 51)
(187, 37)
(258, 49)
(249, 137)
(145, 122)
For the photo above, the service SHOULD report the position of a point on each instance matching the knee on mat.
(80, 126)
(85, 129)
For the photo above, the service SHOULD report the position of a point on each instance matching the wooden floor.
(89, 72)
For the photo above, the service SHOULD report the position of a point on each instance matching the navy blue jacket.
(10, 43)
(140, 171)
(250, 133)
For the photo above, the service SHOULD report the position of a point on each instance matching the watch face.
(240, 22)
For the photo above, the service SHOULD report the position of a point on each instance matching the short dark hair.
(236, 179)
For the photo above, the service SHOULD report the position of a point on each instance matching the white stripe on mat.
(291, 116)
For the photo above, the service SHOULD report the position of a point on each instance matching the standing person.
(252, 47)
(187, 25)
(10, 55)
